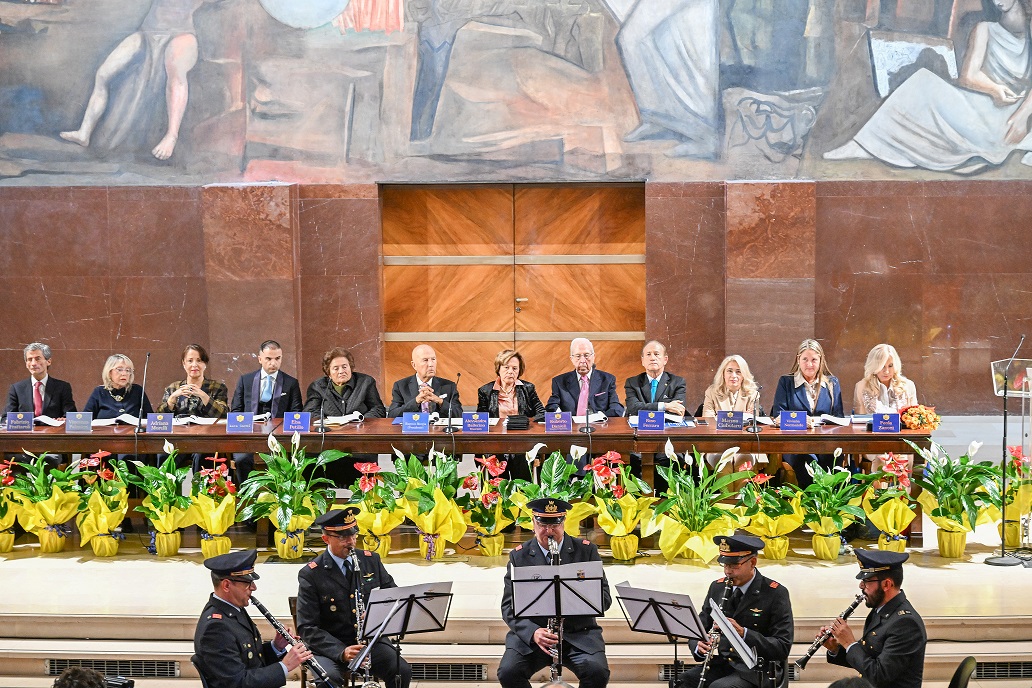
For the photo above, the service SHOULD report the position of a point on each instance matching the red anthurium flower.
(470, 482)
(612, 457)
(489, 498)
(100, 455)
(106, 474)
(230, 488)
(367, 468)
(493, 465)
(7, 480)
(216, 459)
(366, 483)
(760, 478)
(495, 482)
(600, 468)
(619, 491)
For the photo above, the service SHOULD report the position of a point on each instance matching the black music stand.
(661, 613)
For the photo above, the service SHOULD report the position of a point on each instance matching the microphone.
(449, 429)
(322, 414)
(757, 410)
(143, 393)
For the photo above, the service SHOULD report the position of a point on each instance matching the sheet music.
(532, 595)
(664, 613)
(428, 612)
(744, 651)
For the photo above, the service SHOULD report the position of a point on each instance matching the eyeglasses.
(127, 371)
(578, 357)
(339, 536)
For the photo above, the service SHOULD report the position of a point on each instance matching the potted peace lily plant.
(429, 500)
(770, 513)
(622, 500)
(555, 479)
(887, 503)
(48, 498)
(377, 493)
(165, 506)
(8, 507)
(830, 503)
(487, 504)
(291, 492)
(103, 505)
(214, 504)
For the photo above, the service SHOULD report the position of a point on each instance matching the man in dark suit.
(228, 647)
(529, 640)
(655, 389)
(759, 610)
(585, 389)
(424, 392)
(326, 602)
(891, 651)
(267, 390)
(40, 394)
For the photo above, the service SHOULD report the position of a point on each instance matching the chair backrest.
(963, 673)
(195, 660)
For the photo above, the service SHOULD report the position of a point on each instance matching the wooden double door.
(474, 269)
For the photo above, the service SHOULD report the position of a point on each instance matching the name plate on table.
(297, 421)
(19, 421)
(239, 423)
(885, 422)
(793, 420)
(558, 422)
(474, 421)
(416, 422)
(159, 422)
(80, 421)
(651, 420)
(730, 420)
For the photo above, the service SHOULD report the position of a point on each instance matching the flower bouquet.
(48, 499)
(165, 506)
(919, 417)
(888, 506)
(487, 504)
(772, 512)
(429, 500)
(621, 501)
(377, 493)
(830, 503)
(692, 511)
(1019, 495)
(8, 507)
(290, 492)
(556, 479)
(214, 504)
(103, 505)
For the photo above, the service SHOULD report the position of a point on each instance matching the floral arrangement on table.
(48, 498)
(693, 510)
(214, 503)
(621, 501)
(830, 503)
(377, 494)
(429, 500)
(8, 506)
(487, 504)
(919, 417)
(887, 503)
(291, 492)
(556, 479)
(103, 505)
(957, 494)
(165, 506)
(771, 513)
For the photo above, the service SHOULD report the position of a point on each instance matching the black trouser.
(719, 674)
(515, 669)
(387, 666)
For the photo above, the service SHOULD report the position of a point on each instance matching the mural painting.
(203, 91)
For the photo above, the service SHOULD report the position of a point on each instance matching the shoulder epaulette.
(721, 580)
(312, 565)
(518, 548)
(367, 553)
(901, 612)
(586, 542)
(215, 615)
(773, 584)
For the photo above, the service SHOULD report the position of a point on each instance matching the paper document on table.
(102, 422)
(355, 417)
(261, 417)
(197, 420)
(596, 417)
(834, 420)
(861, 420)
(762, 420)
(131, 420)
(47, 420)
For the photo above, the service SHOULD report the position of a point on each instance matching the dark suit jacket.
(286, 394)
(890, 653)
(601, 393)
(527, 401)
(362, 397)
(766, 611)
(403, 397)
(583, 632)
(230, 650)
(638, 392)
(57, 397)
(792, 398)
(325, 599)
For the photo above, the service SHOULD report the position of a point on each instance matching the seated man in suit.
(654, 390)
(267, 390)
(424, 392)
(585, 389)
(40, 394)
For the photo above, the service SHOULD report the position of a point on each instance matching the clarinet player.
(759, 610)
(332, 591)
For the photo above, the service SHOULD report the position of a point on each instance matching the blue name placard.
(885, 422)
(651, 420)
(793, 420)
(475, 421)
(159, 422)
(80, 421)
(19, 421)
(297, 421)
(415, 422)
(558, 422)
(239, 423)
(730, 420)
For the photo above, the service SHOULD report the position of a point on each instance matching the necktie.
(425, 406)
(655, 383)
(736, 599)
(267, 389)
(582, 400)
(37, 399)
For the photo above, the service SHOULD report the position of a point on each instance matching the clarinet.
(360, 615)
(311, 664)
(823, 637)
(714, 635)
(555, 625)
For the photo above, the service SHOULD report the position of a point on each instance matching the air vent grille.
(130, 668)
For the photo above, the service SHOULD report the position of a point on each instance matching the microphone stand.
(1005, 559)
(754, 427)
(139, 415)
(449, 429)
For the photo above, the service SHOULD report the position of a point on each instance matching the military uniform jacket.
(583, 632)
(326, 603)
(230, 651)
(891, 651)
(765, 610)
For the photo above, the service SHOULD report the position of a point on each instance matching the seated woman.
(884, 389)
(196, 395)
(812, 389)
(733, 389)
(509, 395)
(118, 394)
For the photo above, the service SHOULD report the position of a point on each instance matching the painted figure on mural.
(964, 127)
(161, 52)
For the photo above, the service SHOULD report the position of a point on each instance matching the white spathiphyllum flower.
(398, 453)
(168, 447)
(295, 440)
(840, 468)
(688, 458)
(973, 448)
(577, 452)
(532, 454)
(725, 458)
(435, 455)
(809, 468)
(838, 452)
(171, 476)
(669, 451)
(274, 445)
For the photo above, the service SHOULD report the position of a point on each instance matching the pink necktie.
(425, 406)
(37, 399)
(582, 400)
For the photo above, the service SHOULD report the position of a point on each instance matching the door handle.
(521, 300)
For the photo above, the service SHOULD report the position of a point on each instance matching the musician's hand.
(296, 655)
(738, 629)
(702, 648)
(545, 639)
(280, 643)
(842, 632)
(351, 652)
(831, 645)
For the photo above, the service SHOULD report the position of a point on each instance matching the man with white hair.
(40, 394)
(585, 389)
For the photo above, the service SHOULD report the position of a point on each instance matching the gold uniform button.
(333, 607)
(250, 655)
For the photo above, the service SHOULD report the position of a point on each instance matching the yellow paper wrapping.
(951, 543)
(634, 509)
(826, 546)
(444, 520)
(768, 527)
(502, 520)
(674, 537)
(625, 547)
(290, 545)
(214, 517)
(170, 520)
(58, 508)
(13, 507)
(99, 519)
(491, 545)
(167, 544)
(378, 523)
(104, 546)
(1022, 499)
(579, 512)
(929, 503)
(892, 517)
(827, 526)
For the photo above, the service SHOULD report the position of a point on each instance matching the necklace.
(734, 399)
(119, 397)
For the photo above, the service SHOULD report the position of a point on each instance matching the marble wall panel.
(155, 231)
(249, 232)
(54, 232)
(771, 229)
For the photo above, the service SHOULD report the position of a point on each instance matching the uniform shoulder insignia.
(773, 584)
(312, 565)
(586, 542)
(518, 548)
(367, 553)
(721, 580)
(215, 615)
(901, 612)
